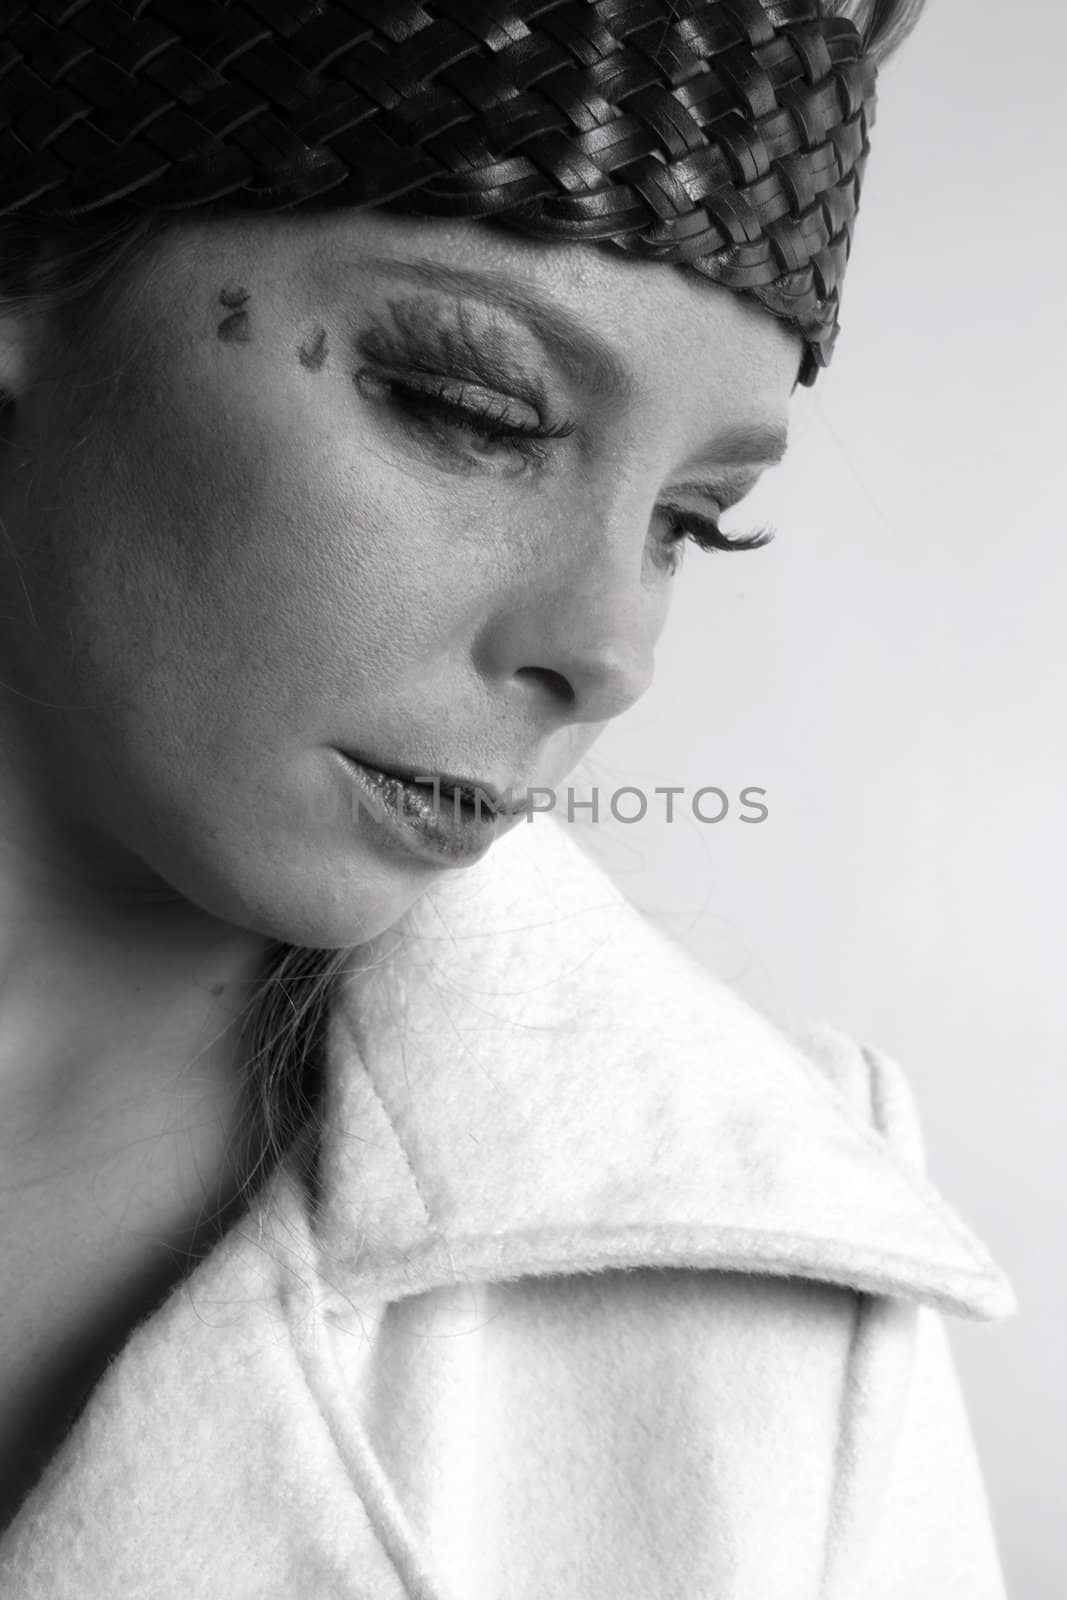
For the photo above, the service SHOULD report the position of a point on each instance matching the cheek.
(239, 542)
(221, 594)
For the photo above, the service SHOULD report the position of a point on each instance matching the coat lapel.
(526, 1076)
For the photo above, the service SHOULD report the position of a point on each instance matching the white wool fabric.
(609, 1291)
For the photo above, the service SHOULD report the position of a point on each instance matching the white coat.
(609, 1291)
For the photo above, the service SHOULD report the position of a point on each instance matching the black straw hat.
(728, 136)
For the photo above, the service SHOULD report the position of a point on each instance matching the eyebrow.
(582, 355)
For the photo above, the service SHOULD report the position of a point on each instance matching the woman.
(388, 1214)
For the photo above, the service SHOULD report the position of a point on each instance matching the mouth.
(453, 790)
(443, 817)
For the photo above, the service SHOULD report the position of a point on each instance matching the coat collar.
(526, 1076)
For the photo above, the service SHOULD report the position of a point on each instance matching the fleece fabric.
(606, 1290)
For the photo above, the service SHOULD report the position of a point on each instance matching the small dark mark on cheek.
(313, 350)
(234, 328)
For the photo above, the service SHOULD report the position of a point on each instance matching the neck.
(121, 1007)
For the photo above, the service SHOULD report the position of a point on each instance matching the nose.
(582, 628)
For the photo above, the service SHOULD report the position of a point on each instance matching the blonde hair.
(883, 24)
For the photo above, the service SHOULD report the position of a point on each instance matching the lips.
(477, 793)
(418, 818)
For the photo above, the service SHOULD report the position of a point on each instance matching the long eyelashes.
(484, 418)
(529, 442)
(707, 535)
(434, 395)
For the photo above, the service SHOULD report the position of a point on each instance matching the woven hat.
(726, 136)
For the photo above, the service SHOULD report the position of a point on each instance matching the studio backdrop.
(891, 672)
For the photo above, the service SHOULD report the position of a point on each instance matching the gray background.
(892, 671)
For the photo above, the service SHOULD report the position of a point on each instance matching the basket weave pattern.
(728, 136)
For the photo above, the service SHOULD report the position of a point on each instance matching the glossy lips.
(446, 819)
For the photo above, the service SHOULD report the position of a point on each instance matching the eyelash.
(530, 442)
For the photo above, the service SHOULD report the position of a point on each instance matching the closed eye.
(488, 421)
(706, 534)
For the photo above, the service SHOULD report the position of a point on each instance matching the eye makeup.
(456, 340)
(465, 383)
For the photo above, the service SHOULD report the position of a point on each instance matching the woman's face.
(249, 528)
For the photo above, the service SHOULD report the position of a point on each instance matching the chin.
(322, 899)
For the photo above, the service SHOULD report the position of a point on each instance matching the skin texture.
(229, 551)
